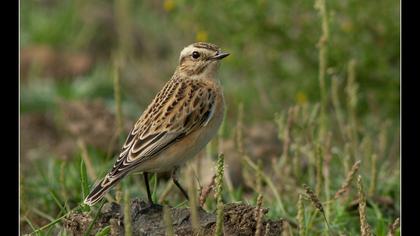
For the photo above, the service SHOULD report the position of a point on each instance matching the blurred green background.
(273, 46)
(71, 52)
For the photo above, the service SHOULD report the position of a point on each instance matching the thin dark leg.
(175, 179)
(146, 181)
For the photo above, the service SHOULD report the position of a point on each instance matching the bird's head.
(200, 59)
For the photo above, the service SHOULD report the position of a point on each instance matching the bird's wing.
(179, 109)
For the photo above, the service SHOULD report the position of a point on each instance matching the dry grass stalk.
(394, 227)
(88, 163)
(127, 214)
(259, 180)
(239, 129)
(267, 229)
(314, 198)
(239, 144)
(373, 175)
(192, 200)
(394, 150)
(316, 202)
(124, 26)
(287, 140)
(337, 105)
(286, 230)
(350, 176)
(167, 218)
(297, 169)
(326, 171)
(206, 191)
(351, 91)
(166, 191)
(117, 97)
(300, 216)
(383, 135)
(230, 188)
(258, 215)
(318, 166)
(220, 134)
(269, 183)
(365, 229)
(322, 44)
(286, 135)
(328, 155)
(366, 146)
(112, 144)
(118, 193)
(348, 157)
(218, 195)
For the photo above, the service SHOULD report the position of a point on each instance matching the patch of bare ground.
(50, 62)
(90, 121)
(261, 143)
(46, 133)
(238, 220)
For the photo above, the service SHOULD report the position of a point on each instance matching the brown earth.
(239, 219)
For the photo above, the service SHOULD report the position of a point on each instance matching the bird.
(181, 119)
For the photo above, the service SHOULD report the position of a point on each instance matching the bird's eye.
(195, 54)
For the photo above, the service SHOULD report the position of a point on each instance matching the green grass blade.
(83, 178)
(104, 232)
(84, 184)
(31, 225)
(154, 190)
(57, 201)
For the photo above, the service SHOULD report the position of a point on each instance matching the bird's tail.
(100, 190)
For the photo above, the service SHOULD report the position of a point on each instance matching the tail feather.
(100, 190)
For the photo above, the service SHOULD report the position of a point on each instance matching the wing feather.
(194, 109)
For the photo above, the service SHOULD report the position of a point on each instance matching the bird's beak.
(220, 55)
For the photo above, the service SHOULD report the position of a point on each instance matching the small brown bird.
(179, 122)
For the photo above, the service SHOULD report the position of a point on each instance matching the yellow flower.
(168, 5)
(201, 36)
(301, 98)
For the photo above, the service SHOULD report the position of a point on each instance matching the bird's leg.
(175, 179)
(152, 206)
(146, 181)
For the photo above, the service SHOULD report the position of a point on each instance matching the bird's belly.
(183, 150)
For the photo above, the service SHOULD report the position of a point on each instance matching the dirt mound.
(238, 220)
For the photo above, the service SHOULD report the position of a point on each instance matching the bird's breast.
(185, 149)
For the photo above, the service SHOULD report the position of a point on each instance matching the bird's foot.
(151, 207)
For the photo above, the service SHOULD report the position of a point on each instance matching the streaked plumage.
(179, 122)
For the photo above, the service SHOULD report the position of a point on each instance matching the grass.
(328, 81)
(218, 195)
